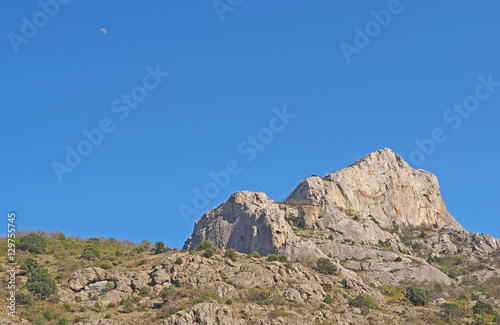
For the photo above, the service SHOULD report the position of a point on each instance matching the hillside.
(370, 244)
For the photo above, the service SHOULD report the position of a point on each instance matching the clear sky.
(116, 113)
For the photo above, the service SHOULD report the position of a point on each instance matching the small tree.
(483, 308)
(450, 311)
(62, 321)
(91, 252)
(41, 284)
(255, 254)
(204, 245)
(128, 306)
(231, 253)
(160, 248)
(33, 242)
(363, 302)
(328, 299)
(29, 265)
(273, 258)
(40, 321)
(417, 296)
(325, 266)
(94, 241)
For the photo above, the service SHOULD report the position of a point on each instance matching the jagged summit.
(374, 210)
(381, 185)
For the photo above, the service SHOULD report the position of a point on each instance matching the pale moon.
(104, 31)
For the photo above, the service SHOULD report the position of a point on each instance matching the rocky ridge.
(350, 214)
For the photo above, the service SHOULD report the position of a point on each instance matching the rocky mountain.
(379, 202)
(378, 217)
(372, 243)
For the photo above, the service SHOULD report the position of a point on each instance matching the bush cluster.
(417, 296)
(364, 302)
(91, 252)
(33, 243)
(279, 258)
(231, 253)
(325, 266)
(41, 284)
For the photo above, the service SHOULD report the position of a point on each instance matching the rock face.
(248, 222)
(350, 215)
(384, 186)
(380, 187)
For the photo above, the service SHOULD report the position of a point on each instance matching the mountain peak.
(381, 185)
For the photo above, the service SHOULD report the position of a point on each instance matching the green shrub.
(363, 302)
(40, 321)
(483, 308)
(450, 311)
(48, 314)
(160, 248)
(293, 218)
(41, 284)
(328, 299)
(325, 266)
(273, 257)
(167, 292)
(108, 315)
(94, 241)
(110, 285)
(66, 307)
(29, 265)
(91, 252)
(97, 307)
(128, 306)
(105, 266)
(229, 302)
(33, 242)
(256, 255)
(231, 253)
(417, 296)
(208, 253)
(24, 298)
(144, 291)
(203, 298)
(259, 296)
(62, 321)
(179, 261)
(204, 245)
(141, 262)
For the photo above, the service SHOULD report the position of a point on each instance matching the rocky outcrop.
(110, 286)
(359, 203)
(355, 213)
(247, 222)
(383, 186)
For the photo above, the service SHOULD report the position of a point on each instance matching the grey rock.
(384, 186)
(247, 222)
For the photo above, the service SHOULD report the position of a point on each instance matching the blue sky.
(176, 90)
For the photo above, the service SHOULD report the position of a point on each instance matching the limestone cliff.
(247, 222)
(384, 186)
